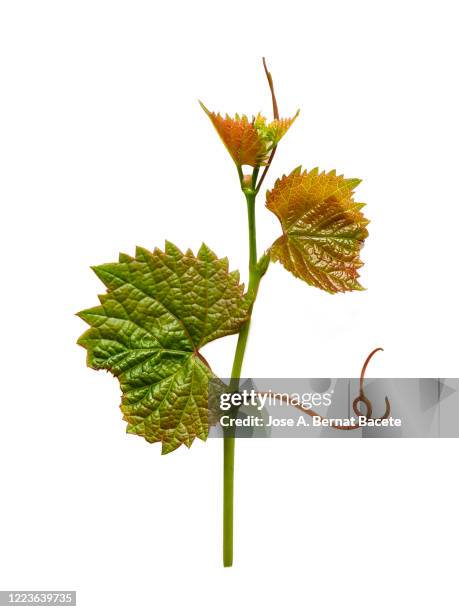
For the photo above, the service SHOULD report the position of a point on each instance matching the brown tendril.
(276, 116)
(361, 398)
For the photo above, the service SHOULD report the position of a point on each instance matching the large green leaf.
(159, 310)
(323, 228)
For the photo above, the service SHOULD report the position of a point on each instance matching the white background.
(103, 146)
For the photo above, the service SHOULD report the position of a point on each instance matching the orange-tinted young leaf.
(249, 142)
(323, 228)
(274, 131)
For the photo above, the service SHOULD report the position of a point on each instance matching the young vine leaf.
(323, 228)
(249, 142)
(159, 310)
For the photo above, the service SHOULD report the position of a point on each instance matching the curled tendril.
(360, 399)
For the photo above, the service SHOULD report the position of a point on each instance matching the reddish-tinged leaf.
(323, 228)
(249, 142)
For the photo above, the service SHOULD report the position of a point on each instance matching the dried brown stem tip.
(271, 87)
(276, 116)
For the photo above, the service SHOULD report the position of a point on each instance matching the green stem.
(256, 271)
(229, 440)
(228, 496)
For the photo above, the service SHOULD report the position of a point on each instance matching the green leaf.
(159, 310)
(323, 228)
